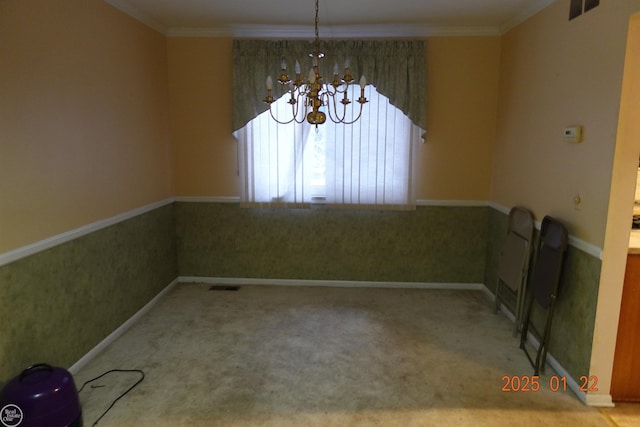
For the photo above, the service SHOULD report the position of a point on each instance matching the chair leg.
(525, 322)
(541, 357)
(497, 305)
(518, 314)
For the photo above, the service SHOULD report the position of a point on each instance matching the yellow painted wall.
(84, 117)
(454, 163)
(205, 152)
(86, 124)
(556, 73)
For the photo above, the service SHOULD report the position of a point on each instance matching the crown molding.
(329, 32)
(134, 12)
(527, 13)
(332, 32)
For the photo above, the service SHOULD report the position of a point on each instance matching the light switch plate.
(572, 134)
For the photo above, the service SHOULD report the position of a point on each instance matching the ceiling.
(338, 18)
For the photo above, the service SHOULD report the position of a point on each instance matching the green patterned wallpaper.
(575, 310)
(58, 304)
(430, 244)
(496, 236)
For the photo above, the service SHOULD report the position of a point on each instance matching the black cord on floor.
(119, 397)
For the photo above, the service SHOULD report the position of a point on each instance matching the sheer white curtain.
(271, 155)
(367, 164)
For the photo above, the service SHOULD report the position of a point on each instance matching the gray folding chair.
(513, 264)
(543, 286)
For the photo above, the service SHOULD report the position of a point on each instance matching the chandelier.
(308, 96)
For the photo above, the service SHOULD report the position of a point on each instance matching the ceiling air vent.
(578, 7)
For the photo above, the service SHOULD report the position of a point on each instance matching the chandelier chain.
(317, 32)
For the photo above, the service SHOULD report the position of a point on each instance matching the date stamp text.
(532, 383)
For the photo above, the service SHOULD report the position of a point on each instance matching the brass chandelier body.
(313, 93)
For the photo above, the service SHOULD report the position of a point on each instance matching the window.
(369, 163)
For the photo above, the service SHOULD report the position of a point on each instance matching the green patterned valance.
(396, 68)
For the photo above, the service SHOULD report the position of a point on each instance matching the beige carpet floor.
(311, 356)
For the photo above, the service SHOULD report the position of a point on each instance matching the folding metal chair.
(513, 265)
(543, 286)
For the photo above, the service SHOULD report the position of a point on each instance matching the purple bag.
(42, 395)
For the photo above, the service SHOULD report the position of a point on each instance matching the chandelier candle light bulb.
(363, 84)
(269, 99)
(336, 79)
(348, 78)
(284, 78)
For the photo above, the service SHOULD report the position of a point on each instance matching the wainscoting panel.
(431, 244)
(57, 304)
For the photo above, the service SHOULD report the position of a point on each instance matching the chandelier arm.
(297, 107)
(278, 121)
(337, 90)
(335, 118)
(329, 91)
(303, 118)
(346, 88)
(357, 118)
(344, 85)
(342, 119)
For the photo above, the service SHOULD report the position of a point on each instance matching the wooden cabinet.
(625, 381)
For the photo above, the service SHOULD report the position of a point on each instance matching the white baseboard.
(120, 330)
(208, 199)
(596, 400)
(330, 283)
(599, 400)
